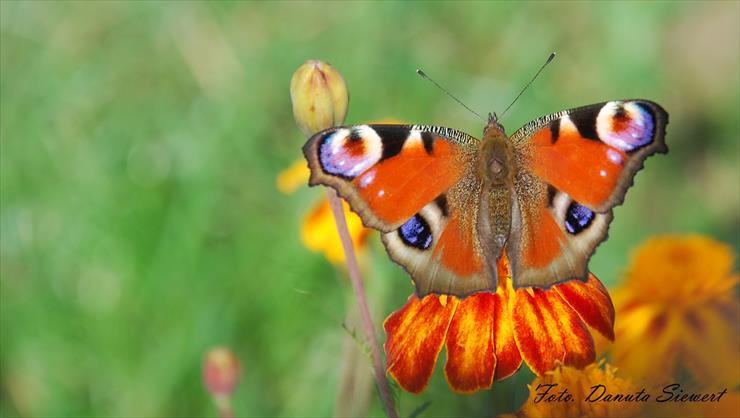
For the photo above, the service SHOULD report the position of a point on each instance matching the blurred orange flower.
(318, 230)
(293, 177)
(678, 312)
(579, 384)
(488, 334)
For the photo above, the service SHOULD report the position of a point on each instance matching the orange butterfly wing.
(574, 167)
(416, 185)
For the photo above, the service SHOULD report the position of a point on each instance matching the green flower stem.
(367, 322)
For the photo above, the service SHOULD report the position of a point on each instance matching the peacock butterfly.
(448, 205)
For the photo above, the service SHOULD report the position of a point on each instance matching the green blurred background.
(140, 142)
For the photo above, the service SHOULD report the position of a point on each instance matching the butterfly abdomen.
(496, 168)
(494, 224)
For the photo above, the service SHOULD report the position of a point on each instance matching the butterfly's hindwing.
(440, 251)
(552, 239)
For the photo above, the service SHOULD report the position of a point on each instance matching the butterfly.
(449, 206)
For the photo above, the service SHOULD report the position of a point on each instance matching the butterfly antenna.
(423, 75)
(549, 60)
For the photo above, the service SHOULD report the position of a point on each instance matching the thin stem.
(223, 404)
(367, 321)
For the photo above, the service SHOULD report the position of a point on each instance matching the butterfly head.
(493, 127)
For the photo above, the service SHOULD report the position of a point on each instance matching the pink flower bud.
(221, 371)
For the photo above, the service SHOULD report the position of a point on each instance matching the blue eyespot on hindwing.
(577, 218)
(416, 233)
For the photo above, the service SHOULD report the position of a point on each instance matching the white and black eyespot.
(627, 126)
(348, 152)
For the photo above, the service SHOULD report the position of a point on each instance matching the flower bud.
(319, 97)
(221, 371)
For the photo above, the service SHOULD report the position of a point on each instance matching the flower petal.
(728, 407)
(592, 303)
(548, 330)
(470, 358)
(645, 345)
(711, 343)
(508, 358)
(319, 231)
(290, 179)
(416, 333)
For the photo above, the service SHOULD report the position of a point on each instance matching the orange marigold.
(678, 312)
(487, 335)
(579, 385)
(318, 231)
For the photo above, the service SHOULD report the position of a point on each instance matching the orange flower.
(579, 385)
(318, 230)
(293, 177)
(678, 312)
(488, 334)
(591, 392)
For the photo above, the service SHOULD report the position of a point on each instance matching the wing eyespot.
(347, 153)
(416, 233)
(627, 126)
(578, 218)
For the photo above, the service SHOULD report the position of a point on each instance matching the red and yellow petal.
(470, 351)
(548, 330)
(592, 303)
(508, 358)
(416, 333)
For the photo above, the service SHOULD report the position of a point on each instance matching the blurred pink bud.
(221, 371)
(319, 97)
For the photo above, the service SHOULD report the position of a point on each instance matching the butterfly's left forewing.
(573, 168)
(416, 184)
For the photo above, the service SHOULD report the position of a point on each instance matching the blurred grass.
(140, 144)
